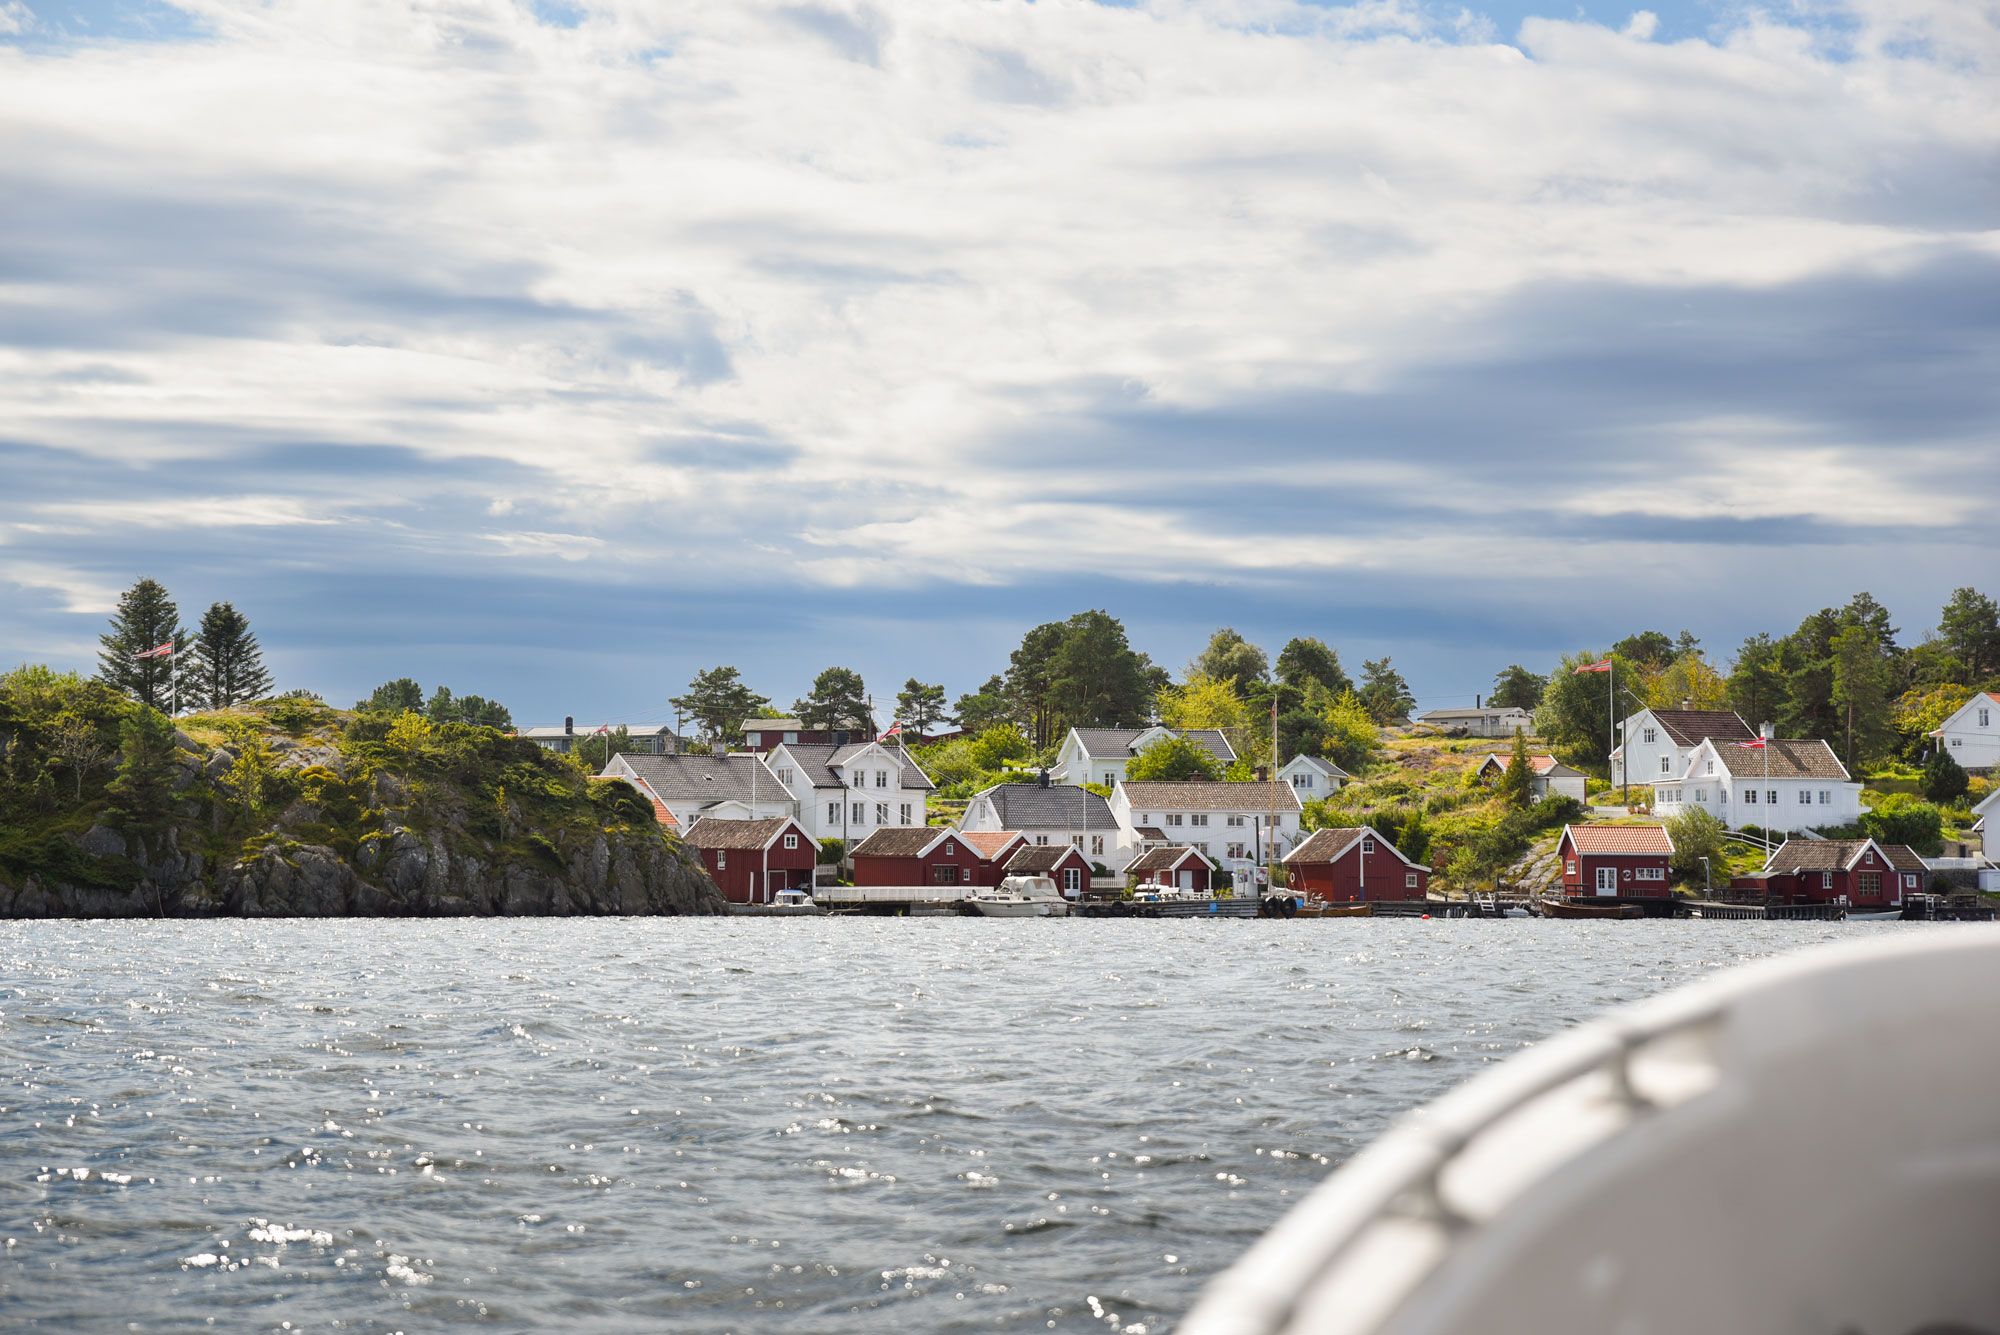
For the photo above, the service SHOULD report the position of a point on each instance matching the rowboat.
(1320, 908)
(1672, 1168)
(1570, 908)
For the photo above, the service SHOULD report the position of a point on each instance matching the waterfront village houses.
(933, 856)
(683, 789)
(1222, 820)
(750, 861)
(1547, 776)
(849, 792)
(1633, 861)
(1099, 755)
(1820, 871)
(1050, 814)
(1660, 741)
(1313, 777)
(1784, 785)
(1349, 866)
(652, 739)
(1972, 735)
(1061, 863)
(1484, 722)
(1176, 866)
(768, 734)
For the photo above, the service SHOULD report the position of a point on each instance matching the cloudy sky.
(555, 350)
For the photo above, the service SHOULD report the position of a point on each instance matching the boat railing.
(1403, 1179)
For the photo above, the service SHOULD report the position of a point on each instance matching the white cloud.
(870, 250)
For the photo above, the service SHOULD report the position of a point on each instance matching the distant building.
(1222, 820)
(848, 792)
(1173, 865)
(1819, 871)
(1099, 755)
(1354, 865)
(929, 856)
(683, 789)
(767, 734)
(1052, 814)
(1616, 860)
(1484, 722)
(1785, 785)
(1660, 742)
(1547, 776)
(1313, 777)
(1061, 863)
(650, 739)
(1972, 735)
(750, 861)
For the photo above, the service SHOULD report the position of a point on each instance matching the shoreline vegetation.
(427, 804)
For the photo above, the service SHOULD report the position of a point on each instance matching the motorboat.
(1020, 897)
(1314, 907)
(782, 904)
(1685, 1164)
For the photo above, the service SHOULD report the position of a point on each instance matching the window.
(1666, 764)
(860, 813)
(1367, 846)
(785, 777)
(950, 849)
(1701, 795)
(1651, 874)
(857, 779)
(791, 841)
(1652, 735)
(1870, 885)
(1569, 866)
(1771, 797)
(906, 813)
(1076, 842)
(1956, 741)
(1750, 796)
(1805, 797)
(1302, 781)
(1826, 880)
(1173, 818)
(792, 738)
(1825, 798)
(832, 813)
(722, 859)
(1909, 882)
(1985, 718)
(1072, 879)
(944, 873)
(881, 778)
(1041, 839)
(1199, 818)
(1236, 850)
(1236, 821)
(1409, 880)
(1710, 769)
(881, 813)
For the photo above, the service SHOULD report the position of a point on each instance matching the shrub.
(1901, 819)
(1945, 781)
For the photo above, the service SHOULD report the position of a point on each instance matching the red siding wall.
(1358, 876)
(790, 868)
(970, 868)
(1580, 873)
(1200, 870)
(1882, 887)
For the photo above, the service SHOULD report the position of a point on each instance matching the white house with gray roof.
(849, 792)
(1099, 755)
(1055, 814)
(1313, 777)
(683, 789)
(1223, 820)
(1785, 784)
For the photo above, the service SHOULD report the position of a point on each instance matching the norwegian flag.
(603, 730)
(895, 730)
(163, 651)
(1757, 745)
(1601, 666)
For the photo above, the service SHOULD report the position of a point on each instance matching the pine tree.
(142, 794)
(1517, 785)
(228, 666)
(146, 619)
(1944, 778)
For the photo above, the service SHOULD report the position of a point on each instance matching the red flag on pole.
(895, 730)
(1602, 666)
(163, 651)
(1757, 745)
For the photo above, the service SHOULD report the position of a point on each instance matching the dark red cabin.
(1616, 861)
(1349, 866)
(751, 860)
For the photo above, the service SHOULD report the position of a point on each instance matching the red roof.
(1614, 839)
(989, 844)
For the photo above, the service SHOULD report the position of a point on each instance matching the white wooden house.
(849, 792)
(1099, 755)
(684, 789)
(1659, 742)
(1223, 820)
(1052, 814)
(1972, 735)
(1313, 777)
(1784, 785)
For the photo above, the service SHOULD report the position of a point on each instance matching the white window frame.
(791, 841)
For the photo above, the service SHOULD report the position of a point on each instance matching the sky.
(556, 350)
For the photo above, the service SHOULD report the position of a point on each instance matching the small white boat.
(783, 904)
(1874, 915)
(1020, 897)
(1686, 1164)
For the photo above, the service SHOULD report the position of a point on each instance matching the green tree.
(1646, 652)
(78, 744)
(1301, 732)
(1970, 628)
(1173, 758)
(1517, 688)
(1697, 835)
(1231, 658)
(1576, 714)
(719, 700)
(1306, 659)
(1902, 819)
(228, 665)
(1352, 735)
(594, 750)
(984, 708)
(920, 706)
(1756, 681)
(1862, 610)
(146, 619)
(1096, 678)
(142, 793)
(1945, 780)
(1384, 693)
(401, 696)
(838, 700)
(1861, 681)
(1031, 681)
(1517, 781)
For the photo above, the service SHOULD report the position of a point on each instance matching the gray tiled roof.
(896, 841)
(1116, 743)
(817, 759)
(1034, 858)
(1029, 806)
(1320, 763)
(1324, 845)
(1210, 795)
(707, 778)
(1163, 859)
(1691, 727)
(709, 832)
(1787, 759)
(1834, 854)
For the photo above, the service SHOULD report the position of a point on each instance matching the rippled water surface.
(851, 1125)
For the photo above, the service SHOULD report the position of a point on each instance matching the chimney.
(1686, 703)
(1476, 703)
(1767, 732)
(1042, 779)
(569, 726)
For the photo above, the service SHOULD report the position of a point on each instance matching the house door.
(1607, 880)
(1187, 880)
